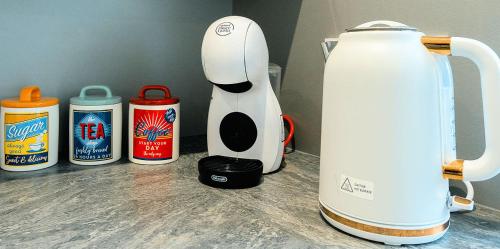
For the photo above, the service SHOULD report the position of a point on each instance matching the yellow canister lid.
(29, 97)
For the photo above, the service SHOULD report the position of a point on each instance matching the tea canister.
(154, 127)
(29, 126)
(95, 127)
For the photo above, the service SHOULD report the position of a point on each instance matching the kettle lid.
(381, 26)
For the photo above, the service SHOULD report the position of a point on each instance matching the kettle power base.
(387, 235)
(230, 172)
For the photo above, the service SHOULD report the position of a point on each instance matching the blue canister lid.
(95, 100)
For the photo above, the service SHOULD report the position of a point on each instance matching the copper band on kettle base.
(382, 230)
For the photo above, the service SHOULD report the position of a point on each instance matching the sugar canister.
(29, 125)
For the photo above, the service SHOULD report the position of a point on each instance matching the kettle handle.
(488, 63)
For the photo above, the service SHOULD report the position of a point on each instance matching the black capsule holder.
(230, 172)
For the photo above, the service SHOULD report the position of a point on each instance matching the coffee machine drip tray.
(230, 172)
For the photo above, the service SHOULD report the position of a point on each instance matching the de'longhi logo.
(218, 178)
(224, 29)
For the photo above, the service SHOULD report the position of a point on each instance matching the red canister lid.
(166, 99)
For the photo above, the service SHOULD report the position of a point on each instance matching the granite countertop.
(135, 206)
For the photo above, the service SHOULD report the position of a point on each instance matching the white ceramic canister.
(95, 127)
(153, 127)
(29, 128)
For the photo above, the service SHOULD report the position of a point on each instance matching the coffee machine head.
(234, 54)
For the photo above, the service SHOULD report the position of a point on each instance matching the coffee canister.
(154, 127)
(29, 126)
(95, 127)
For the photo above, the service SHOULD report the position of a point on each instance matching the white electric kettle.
(388, 127)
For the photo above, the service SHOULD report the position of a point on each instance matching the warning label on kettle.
(359, 188)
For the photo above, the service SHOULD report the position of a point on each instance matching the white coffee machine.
(244, 121)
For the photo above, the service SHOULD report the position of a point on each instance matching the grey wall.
(277, 18)
(64, 45)
(302, 85)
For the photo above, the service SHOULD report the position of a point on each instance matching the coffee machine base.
(230, 172)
